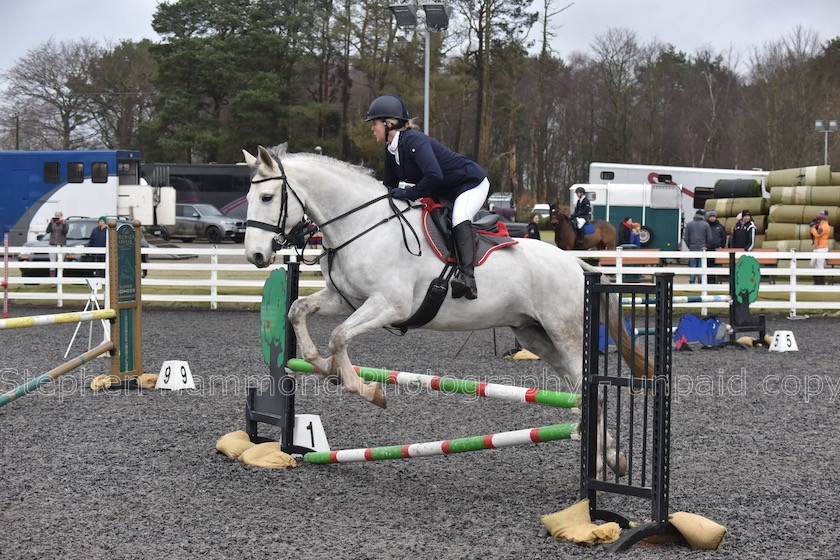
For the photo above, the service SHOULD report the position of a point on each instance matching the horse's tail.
(632, 353)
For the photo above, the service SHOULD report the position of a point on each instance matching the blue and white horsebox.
(36, 184)
(658, 208)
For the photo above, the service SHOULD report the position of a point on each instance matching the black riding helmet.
(388, 106)
(580, 190)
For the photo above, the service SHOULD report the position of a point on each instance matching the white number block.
(309, 432)
(783, 341)
(175, 375)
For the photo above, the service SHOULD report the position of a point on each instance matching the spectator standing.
(698, 236)
(98, 238)
(624, 231)
(718, 237)
(820, 231)
(99, 234)
(743, 234)
(57, 230)
(636, 235)
(534, 227)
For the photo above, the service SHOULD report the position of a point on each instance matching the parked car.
(515, 229)
(204, 221)
(78, 235)
(543, 210)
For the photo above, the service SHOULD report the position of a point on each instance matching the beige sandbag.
(267, 455)
(102, 382)
(147, 380)
(699, 532)
(525, 355)
(234, 444)
(574, 524)
(811, 175)
(835, 178)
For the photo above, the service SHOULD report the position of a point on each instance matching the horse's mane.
(280, 150)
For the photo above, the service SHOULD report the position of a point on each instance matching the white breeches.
(470, 202)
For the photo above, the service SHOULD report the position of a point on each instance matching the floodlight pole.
(831, 126)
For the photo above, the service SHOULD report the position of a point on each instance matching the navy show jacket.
(435, 170)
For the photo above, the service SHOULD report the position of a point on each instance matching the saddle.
(491, 234)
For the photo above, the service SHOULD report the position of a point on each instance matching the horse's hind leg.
(566, 358)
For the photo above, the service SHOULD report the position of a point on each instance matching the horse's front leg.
(325, 302)
(376, 312)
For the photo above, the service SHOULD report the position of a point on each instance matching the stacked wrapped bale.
(797, 195)
(733, 196)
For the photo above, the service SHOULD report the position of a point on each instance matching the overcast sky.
(687, 24)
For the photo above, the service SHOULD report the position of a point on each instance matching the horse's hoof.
(621, 468)
(378, 395)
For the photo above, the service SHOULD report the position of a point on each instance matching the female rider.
(437, 172)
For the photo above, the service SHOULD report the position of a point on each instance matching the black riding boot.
(581, 233)
(463, 285)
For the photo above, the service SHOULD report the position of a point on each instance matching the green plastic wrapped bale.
(791, 214)
(801, 245)
(737, 188)
(726, 207)
(781, 231)
(806, 195)
(812, 175)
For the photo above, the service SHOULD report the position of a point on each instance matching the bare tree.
(122, 94)
(784, 95)
(50, 86)
(616, 53)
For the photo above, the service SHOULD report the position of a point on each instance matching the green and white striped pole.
(508, 393)
(445, 447)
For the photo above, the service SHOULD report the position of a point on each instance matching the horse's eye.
(267, 197)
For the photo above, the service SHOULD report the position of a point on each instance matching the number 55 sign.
(783, 341)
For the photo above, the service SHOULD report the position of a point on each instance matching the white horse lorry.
(79, 183)
(696, 183)
(657, 207)
(652, 194)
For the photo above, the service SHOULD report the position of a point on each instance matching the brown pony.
(565, 236)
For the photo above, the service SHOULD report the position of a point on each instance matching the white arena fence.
(211, 274)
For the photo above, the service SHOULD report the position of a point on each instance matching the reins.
(283, 240)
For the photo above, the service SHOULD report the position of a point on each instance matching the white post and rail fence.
(221, 277)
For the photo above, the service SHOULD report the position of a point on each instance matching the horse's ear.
(249, 159)
(267, 160)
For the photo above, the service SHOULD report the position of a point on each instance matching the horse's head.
(275, 210)
(555, 215)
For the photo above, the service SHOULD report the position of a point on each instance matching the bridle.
(282, 239)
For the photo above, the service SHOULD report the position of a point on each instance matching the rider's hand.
(398, 194)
